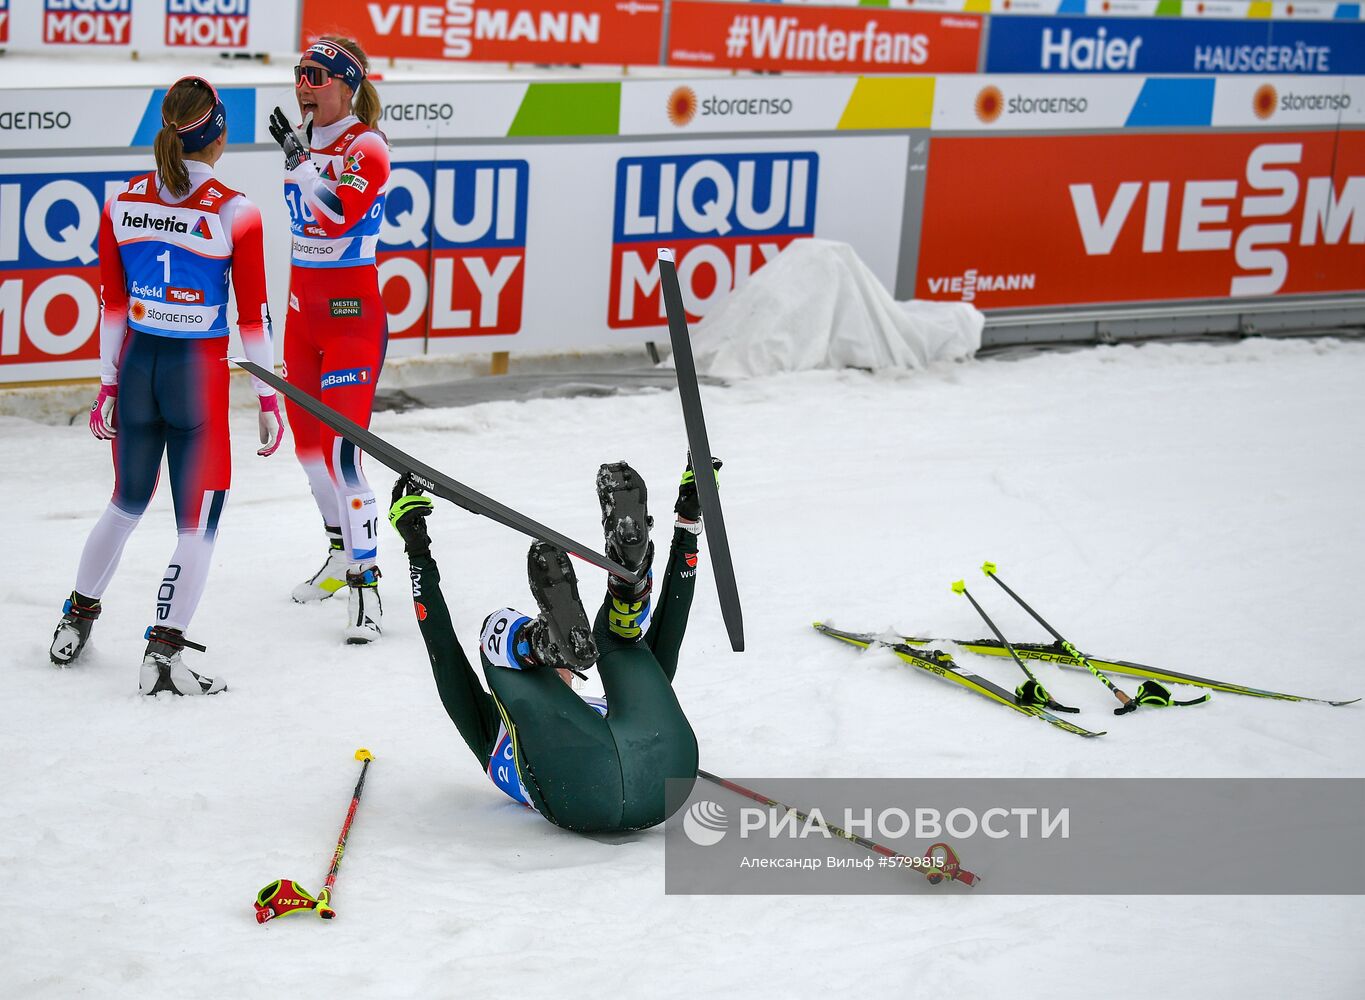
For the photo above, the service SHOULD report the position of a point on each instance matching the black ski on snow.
(429, 479)
(717, 544)
(936, 662)
(1054, 653)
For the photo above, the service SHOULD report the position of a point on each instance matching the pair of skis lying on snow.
(911, 650)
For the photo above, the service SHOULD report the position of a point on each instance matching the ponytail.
(365, 102)
(367, 106)
(192, 117)
(170, 161)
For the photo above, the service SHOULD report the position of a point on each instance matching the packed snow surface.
(817, 305)
(1190, 505)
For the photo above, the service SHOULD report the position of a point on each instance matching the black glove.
(408, 513)
(295, 146)
(689, 504)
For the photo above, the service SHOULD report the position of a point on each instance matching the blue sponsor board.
(1169, 45)
(52, 220)
(456, 204)
(731, 195)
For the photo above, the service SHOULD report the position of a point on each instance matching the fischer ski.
(699, 450)
(429, 479)
(935, 662)
(1054, 653)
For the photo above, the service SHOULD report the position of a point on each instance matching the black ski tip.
(1349, 701)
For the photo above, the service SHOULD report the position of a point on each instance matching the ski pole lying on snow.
(285, 896)
(949, 867)
(1031, 692)
(1126, 703)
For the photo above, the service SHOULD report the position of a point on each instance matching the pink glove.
(102, 413)
(270, 424)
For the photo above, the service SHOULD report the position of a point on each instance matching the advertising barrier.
(150, 26)
(1173, 45)
(820, 39)
(616, 32)
(836, 36)
(1143, 218)
(526, 216)
(503, 244)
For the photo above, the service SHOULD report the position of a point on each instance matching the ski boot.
(163, 670)
(366, 609)
(626, 523)
(73, 631)
(330, 578)
(561, 636)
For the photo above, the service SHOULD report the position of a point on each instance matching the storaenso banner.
(1174, 45)
(1019, 836)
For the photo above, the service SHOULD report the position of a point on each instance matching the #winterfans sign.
(821, 39)
(575, 31)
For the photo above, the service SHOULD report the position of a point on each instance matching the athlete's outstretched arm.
(469, 706)
(339, 204)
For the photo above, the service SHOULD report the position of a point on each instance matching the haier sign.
(1170, 45)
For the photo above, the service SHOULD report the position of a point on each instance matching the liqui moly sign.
(87, 22)
(724, 215)
(49, 264)
(214, 24)
(452, 250)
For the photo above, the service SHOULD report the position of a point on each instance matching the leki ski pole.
(285, 896)
(1031, 692)
(1126, 703)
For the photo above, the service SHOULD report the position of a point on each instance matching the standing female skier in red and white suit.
(337, 172)
(168, 243)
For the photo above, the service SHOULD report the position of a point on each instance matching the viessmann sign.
(1128, 218)
(573, 31)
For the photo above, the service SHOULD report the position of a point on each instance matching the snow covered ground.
(1191, 505)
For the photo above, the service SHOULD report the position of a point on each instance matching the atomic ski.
(942, 664)
(1054, 653)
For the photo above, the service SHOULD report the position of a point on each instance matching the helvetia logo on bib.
(705, 823)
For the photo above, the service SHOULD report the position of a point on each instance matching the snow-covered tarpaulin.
(817, 305)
